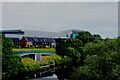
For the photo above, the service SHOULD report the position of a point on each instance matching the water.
(53, 77)
(46, 75)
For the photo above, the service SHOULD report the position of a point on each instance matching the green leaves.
(101, 62)
(6, 46)
(11, 65)
(98, 59)
(85, 37)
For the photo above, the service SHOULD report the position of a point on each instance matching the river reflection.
(46, 75)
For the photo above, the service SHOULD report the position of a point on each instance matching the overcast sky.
(59, 0)
(96, 17)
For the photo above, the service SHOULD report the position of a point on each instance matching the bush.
(51, 62)
(11, 65)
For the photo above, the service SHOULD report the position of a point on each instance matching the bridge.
(35, 55)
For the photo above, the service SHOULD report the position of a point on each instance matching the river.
(46, 75)
(53, 77)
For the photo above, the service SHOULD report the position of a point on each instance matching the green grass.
(50, 59)
(34, 49)
(31, 65)
(30, 62)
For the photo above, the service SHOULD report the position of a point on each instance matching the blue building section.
(14, 39)
(18, 31)
(3, 35)
(73, 35)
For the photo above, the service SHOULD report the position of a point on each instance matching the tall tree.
(85, 37)
(6, 46)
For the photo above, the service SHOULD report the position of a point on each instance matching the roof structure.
(14, 39)
(45, 34)
(16, 31)
(39, 39)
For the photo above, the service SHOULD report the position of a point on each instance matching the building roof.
(30, 33)
(14, 39)
(14, 31)
(39, 39)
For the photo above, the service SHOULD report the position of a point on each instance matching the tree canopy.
(92, 58)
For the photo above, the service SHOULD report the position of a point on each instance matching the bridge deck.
(28, 52)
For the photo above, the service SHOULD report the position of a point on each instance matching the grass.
(34, 49)
(30, 62)
(50, 59)
(31, 65)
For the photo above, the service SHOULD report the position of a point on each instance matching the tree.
(85, 37)
(102, 62)
(97, 36)
(6, 46)
(75, 55)
(11, 64)
(61, 48)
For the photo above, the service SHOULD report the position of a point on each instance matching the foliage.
(33, 49)
(72, 49)
(75, 43)
(6, 46)
(50, 59)
(97, 36)
(75, 55)
(61, 48)
(11, 65)
(94, 59)
(31, 64)
(102, 61)
(85, 37)
(63, 62)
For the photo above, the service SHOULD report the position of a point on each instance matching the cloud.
(96, 17)
(59, 0)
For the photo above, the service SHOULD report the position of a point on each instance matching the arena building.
(43, 39)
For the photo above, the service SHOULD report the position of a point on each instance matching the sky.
(59, 0)
(96, 17)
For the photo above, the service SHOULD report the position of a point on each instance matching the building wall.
(15, 44)
(53, 44)
(23, 42)
(29, 44)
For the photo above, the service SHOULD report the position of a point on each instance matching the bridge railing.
(26, 52)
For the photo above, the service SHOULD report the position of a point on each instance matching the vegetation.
(0, 65)
(6, 46)
(50, 59)
(86, 37)
(101, 62)
(11, 65)
(30, 64)
(14, 65)
(90, 58)
(33, 49)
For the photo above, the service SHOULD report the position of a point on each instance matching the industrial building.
(15, 42)
(38, 39)
(37, 42)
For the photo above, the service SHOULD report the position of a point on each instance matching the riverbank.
(28, 74)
